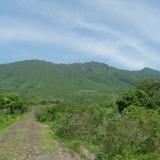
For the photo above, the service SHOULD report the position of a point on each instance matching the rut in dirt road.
(28, 140)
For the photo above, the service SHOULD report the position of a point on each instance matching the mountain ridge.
(75, 63)
(37, 79)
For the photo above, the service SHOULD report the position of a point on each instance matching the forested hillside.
(128, 129)
(37, 80)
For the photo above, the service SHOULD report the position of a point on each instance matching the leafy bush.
(133, 131)
(152, 88)
(11, 108)
(128, 130)
(133, 97)
(11, 104)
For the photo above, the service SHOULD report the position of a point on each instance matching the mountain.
(35, 79)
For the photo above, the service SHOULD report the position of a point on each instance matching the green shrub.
(152, 88)
(11, 104)
(133, 97)
(129, 130)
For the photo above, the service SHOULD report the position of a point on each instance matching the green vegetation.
(134, 97)
(11, 109)
(82, 105)
(127, 129)
(39, 80)
(7, 120)
(152, 88)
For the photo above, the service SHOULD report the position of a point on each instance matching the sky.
(121, 33)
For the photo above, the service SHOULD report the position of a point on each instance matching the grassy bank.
(7, 120)
(11, 109)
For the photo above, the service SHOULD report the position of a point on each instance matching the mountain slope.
(40, 79)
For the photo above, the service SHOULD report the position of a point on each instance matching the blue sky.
(122, 33)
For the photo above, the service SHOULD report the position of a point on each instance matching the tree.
(11, 103)
(133, 97)
(152, 88)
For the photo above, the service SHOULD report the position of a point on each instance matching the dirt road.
(29, 140)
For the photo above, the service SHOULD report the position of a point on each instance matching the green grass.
(74, 144)
(48, 140)
(7, 120)
(71, 143)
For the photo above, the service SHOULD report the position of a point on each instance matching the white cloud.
(31, 34)
(52, 15)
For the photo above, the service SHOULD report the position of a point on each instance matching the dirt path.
(29, 140)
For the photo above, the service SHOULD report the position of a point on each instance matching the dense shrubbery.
(128, 130)
(134, 97)
(152, 88)
(11, 108)
(11, 104)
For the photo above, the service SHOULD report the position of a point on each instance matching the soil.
(30, 140)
